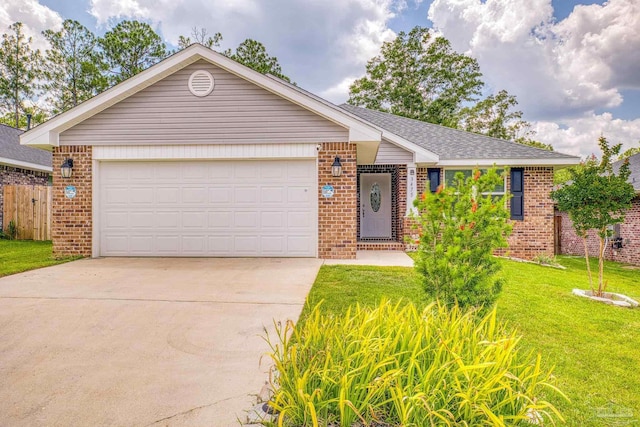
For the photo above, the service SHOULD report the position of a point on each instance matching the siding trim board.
(203, 152)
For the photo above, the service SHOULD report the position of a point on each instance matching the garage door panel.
(246, 195)
(247, 219)
(167, 195)
(272, 195)
(220, 195)
(208, 208)
(164, 220)
(222, 220)
(143, 219)
(141, 245)
(271, 220)
(194, 220)
(298, 220)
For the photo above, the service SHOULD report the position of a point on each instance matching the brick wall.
(534, 235)
(16, 176)
(337, 215)
(571, 244)
(71, 228)
(531, 237)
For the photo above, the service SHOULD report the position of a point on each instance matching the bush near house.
(396, 364)
(461, 225)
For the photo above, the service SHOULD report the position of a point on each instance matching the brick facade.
(571, 244)
(71, 223)
(337, 215)
(534, 235)
(16, 176)
(531, 237)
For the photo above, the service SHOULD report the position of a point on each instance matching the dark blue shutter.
(517, 191)
(433, 175)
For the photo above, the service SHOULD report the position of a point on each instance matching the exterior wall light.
(336, 167)
(67, 168)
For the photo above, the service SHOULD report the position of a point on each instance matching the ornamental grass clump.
(461, 225)
(397, 365)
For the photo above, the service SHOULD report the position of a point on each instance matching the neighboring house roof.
(454, 146)
(16, 155)
(634, 166)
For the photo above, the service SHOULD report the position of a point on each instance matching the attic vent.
(201, 83)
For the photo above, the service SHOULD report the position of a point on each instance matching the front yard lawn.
(17, 256)
(595, 348)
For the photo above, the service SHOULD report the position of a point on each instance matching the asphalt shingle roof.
(634, 166)
(10, 148)
(451, 144)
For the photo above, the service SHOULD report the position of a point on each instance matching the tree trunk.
(586, 257)
(601, 268)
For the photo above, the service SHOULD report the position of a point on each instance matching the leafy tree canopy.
(200, 35)
(74, 69)
(20, 70)
(131, 47)
(420, 76)
(254, 55)
(597, 198)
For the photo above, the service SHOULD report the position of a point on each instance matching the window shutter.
(433, 175)
(517, 191)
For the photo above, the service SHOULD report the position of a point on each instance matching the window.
(450, 174)
(433, 175)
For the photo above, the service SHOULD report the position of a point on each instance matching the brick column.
(337, 215)
(71, 219)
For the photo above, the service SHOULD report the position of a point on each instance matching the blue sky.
(574, 65)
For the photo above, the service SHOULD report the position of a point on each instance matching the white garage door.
(208, 208)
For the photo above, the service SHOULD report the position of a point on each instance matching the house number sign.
(70, 191)
(327, 191)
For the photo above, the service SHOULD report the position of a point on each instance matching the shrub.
(460, 227)
(398, 365)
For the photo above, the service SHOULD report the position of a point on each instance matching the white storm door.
(375, 205)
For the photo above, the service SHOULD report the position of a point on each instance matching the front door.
(375, 205)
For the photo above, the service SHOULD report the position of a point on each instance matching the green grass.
(17, 256)
(594, 347)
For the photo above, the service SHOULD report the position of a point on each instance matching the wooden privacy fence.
(29, 207)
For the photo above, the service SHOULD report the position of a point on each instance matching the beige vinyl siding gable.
(237, 111)
(391, 154)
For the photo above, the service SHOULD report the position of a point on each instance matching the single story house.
(624, 245)
(202, 156)
(20, 165)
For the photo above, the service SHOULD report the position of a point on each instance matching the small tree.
(460, 227)
(597, 198)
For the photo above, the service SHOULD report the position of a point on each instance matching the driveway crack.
(188, 411)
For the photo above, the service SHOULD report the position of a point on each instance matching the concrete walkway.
(376, 258)
(142, 342)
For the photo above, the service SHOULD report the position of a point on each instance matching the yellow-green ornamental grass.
(397, 365)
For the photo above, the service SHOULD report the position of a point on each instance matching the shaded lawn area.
(17, 256)
(594, 347)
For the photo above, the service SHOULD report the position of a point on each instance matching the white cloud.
(35, 17)
(557, 70)
(561, 72)
(317, 42)
(579, 136)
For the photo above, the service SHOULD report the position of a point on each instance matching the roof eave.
(556, 163)
(25, 165)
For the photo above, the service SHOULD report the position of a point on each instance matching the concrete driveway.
(142, 342)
